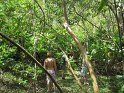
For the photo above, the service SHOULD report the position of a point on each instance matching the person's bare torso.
(50, 64)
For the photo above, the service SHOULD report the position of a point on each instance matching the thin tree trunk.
(35, 73)
(72, 71)
(70, 67)
(85, 56)
(82, 50)
(123, 42)
(34, 60)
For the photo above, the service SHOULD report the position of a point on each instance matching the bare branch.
(41, 11)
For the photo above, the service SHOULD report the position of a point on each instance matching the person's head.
(49, 54)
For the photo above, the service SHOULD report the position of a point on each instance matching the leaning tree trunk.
(69, 67)
(82, 49)
(72, 72)
(32, 58)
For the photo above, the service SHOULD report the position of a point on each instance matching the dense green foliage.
(37, 25)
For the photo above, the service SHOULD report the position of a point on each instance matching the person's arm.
(55, 67)
(45, 64)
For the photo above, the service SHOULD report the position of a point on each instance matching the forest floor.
(106, 85)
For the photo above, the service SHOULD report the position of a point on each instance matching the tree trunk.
(35, 73)
(34, 60)
(82, 50)
(72, 71)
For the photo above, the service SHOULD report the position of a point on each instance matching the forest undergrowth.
(10, 84)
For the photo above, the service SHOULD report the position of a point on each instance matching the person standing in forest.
(50, 66)
(84, 73)
(64, 61)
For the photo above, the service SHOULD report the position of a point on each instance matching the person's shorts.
(52, 73)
